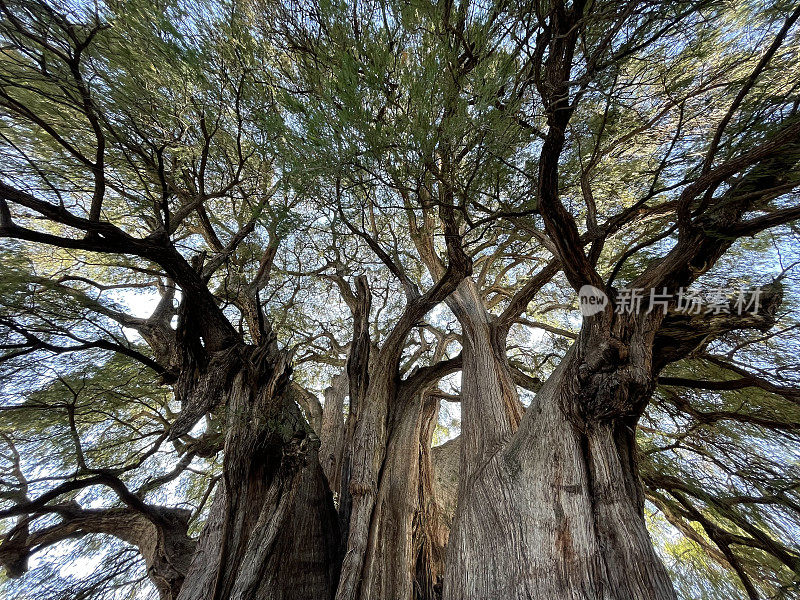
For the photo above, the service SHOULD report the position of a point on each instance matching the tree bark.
(271, 532)
(557, 512)
(550, 505)
(493, 410)
(380, 485)
(564, 490)
(431, 524)
(389, 569)
(404, 535)
(310, 405)
(383, 453)
(333, 431)
(381, 386)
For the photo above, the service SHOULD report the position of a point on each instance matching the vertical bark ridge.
(388, 571)
(490, 407)
(364, 463)
(632, 566)
(430, 528)
(333, 431)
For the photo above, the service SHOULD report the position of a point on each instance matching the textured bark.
(167, 550)
(556, 512)
(430, 522)
(404, 533)
(306, 400)
(333, 431)
(380, 486)
(564, 489)
(494, 410)
(367, 453)
(553, 510)
(446, 462)
(389, 569)
(380, 385)
(288, 552)
(381, 437)
(357, 484)
(271, 532)
(550, 506)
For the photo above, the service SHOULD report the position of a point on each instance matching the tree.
(393, 206)
(154, 180)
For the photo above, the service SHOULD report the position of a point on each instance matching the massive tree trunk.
(564, 489)
(380, 484)
(380, 491)
(272, 529)
(493, 410)
(389, 569)
(557, 512)
(403, 534)
(549, 507)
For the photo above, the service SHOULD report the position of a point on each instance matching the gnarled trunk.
(272, 529)
(557, 511)
(378, 492)
(389, 569)
(403, 532)
(166, 547)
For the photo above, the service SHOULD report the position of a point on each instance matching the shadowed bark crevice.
(272, 529)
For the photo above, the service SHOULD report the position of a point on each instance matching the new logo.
(592, 300)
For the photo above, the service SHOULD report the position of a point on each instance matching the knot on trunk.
(609, 382)
(616, 394)
(359, 489)
(204, 385)
(297, 450)
(201, 387)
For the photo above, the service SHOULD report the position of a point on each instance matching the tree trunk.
(381, 497)
(333, 431)
(431, 526)
(557, 512)
(389, 569)
(446, 462)
(492, 411)
(166, 548)
(381, 493)
(380, 473)
(402, 530)
(378, 495)
(272, 529)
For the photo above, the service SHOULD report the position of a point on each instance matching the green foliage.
(270, 143)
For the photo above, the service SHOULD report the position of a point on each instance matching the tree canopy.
(207, 204)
